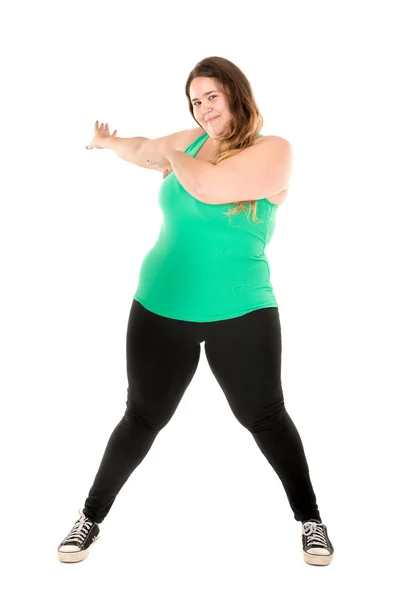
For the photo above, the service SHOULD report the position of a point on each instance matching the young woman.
(207, 279)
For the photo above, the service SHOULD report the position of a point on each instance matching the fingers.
(102, 126)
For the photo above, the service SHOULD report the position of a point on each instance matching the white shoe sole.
(73, 557)
(320, 560)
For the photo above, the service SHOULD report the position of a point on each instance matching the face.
(207, 106)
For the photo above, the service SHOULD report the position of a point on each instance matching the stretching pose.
(207, 279)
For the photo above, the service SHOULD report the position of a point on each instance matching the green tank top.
(206, 266)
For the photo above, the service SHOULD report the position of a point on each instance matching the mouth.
(213, 119)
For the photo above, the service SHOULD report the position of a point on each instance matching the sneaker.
(317, 547)
(75, 547)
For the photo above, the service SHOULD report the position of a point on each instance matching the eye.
(212, 96)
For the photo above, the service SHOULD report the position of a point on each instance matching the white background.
(204, 516)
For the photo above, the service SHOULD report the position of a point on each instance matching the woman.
(207, 280)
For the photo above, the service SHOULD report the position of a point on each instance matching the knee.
(270, 417)
(269, 421)
(139, 417)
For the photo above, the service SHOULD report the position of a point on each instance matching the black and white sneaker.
(317, 547)
(75, 547)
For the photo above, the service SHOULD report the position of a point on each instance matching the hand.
(100, 135)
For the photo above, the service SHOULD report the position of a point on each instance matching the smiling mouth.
(213, 119)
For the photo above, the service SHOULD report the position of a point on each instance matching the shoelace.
(79, 530)
(315, 534)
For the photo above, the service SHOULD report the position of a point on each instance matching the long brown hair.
(246, 121)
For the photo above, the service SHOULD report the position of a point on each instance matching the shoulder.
(274, 145)
(273, 140)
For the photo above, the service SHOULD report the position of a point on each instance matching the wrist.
(107, 142)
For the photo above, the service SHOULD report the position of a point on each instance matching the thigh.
(244, 355)
(162, 356)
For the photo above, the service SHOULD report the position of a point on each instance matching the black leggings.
(244, 354)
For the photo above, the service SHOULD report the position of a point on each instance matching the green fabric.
(206, 266)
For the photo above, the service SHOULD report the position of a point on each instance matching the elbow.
(200, 193)
(200, 198)
(206, 181)
(203, 197)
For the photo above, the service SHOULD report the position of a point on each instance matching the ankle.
(312, 520)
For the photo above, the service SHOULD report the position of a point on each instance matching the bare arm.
(189, 170)
(126, 148)
(141, 151)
